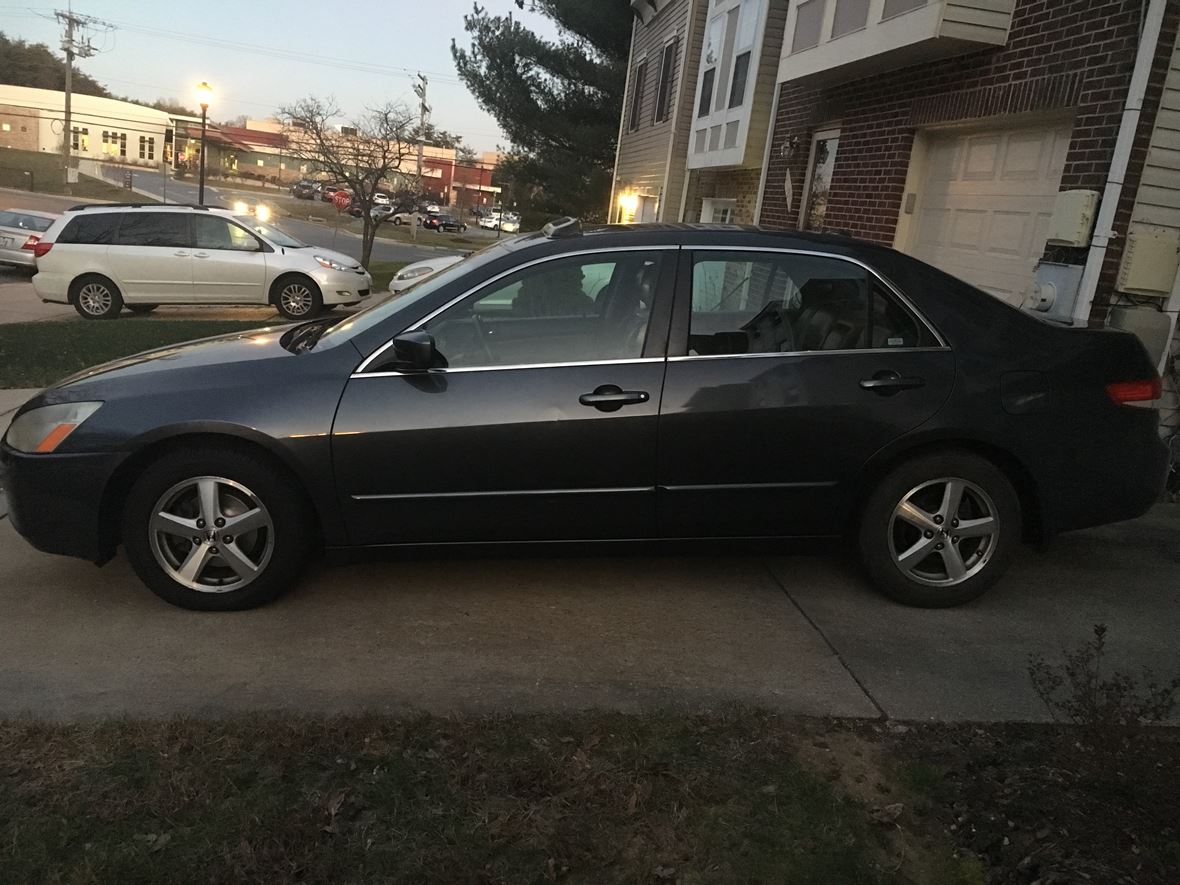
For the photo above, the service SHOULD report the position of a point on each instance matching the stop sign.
(341, 200)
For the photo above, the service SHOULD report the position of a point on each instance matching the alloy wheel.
(95, 299)
(296, 299)
(211, 534)
(943, 532)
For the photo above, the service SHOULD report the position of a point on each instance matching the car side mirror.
(413, 352)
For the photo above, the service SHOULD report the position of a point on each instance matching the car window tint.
(154, 229)
(749, 302)
(574, 309)
(211, 232)
(25, 222)
(97, 229)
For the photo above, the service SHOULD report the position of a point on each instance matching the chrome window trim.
(359, 370)
(814, 254)
(630, 362)
(756, 356)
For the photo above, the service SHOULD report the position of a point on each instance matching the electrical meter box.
(1073, 218)
(1150, 261)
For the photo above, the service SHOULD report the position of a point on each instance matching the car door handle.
(181, 254)
(888, 383)
(200, 255)
(611, 398)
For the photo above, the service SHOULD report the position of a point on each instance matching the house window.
(637, 95)
(706, 93)
(851, 15)
(809, 20)
(147, 148)
(897, 7)
(122, 144)
(819, 179)
(664, 91)
(80, 138)
(151, 149)
(717, 211)
(741, 70)
(261, 163)
(5, 127)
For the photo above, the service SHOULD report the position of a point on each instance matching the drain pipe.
(1103, 227)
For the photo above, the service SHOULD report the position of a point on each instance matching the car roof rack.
(561, 228)
(82, 206)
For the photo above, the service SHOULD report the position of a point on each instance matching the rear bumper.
(52, 287)
(21, 257)
(55, 501)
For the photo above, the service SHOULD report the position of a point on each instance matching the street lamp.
(204, 93)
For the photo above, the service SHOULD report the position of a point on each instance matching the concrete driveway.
(626, 630)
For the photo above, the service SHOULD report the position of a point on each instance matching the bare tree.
(369, 150)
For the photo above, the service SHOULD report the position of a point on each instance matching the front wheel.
(940, 530)
(297, 298)
(216, 529)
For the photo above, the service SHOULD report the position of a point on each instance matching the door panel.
(497, 455)
(229, 265)
(151, 257)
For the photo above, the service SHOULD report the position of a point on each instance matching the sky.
(162, 49)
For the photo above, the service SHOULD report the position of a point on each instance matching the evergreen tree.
(32, 64)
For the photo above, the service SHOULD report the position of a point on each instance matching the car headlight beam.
(40, 431)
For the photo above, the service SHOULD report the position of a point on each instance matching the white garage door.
(985, 202)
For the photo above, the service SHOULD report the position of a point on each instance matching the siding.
(762, 107)
(684, 104)
(981, 21)
(643, 153)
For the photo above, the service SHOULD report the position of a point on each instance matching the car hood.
(236, 347)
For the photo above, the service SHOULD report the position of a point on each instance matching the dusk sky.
(164, 49)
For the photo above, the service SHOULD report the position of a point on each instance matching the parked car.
(413, 274)
(101, 258)
(653, 382)
(380, 198)
(508, 223)
(328, 191)
(444, 222)
(304, 190)
(405, 217)
(20, 231)
(381, 212)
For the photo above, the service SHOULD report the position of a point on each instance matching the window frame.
(682, 307)
(653, 347)
(667, 77)
(823, 134)
(638, 86)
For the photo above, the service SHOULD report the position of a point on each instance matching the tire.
(267, 558)
(907, 536)
(95, 297)
(141, 308)
(397, 220)
(297, 297)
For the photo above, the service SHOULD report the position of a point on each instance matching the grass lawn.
(38, 354)
(383, 272)
(585, 798)
(47, 178)
(303, 209)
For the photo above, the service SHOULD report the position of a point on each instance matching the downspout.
(1103, 227)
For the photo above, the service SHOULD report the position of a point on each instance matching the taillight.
(40, 249)
(1127, 392)
(31, 242)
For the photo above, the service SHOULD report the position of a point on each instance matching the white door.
(717, 211)
(229, 265)
(985, 201)
(151, 259)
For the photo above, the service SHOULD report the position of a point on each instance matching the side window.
(576, 309)
(211, 232)
(97, 229)
(154, 229)
(751, 302)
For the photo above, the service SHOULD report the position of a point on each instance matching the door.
(229, 265)
(151, 257)
(540, 422)
(788, 372)
(985, 203)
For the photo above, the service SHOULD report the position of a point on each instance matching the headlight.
(261, 212)
(414, 272)
(42, 430)
(328, 262)
(241, 207)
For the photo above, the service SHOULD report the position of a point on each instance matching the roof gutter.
(1104, 226)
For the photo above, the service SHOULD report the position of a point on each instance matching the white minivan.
(105, 257)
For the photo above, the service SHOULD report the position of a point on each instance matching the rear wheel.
(216, 529)
(940, 529)
(96, 298)
(142, 308)
(297, 297)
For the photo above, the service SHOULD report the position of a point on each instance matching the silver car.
(20, 230)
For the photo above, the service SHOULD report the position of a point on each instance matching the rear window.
(97, 229)
(25, 222)
(154, 229)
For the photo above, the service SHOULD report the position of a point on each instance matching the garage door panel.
(985, 202)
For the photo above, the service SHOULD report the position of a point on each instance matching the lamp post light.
(204, 93)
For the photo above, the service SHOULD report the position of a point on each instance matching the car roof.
(90, 208)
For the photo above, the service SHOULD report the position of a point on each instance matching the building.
(100, 128)
(1031, 147)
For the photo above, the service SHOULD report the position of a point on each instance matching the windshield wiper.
(305, 336)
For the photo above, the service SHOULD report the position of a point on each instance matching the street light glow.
(204, 93)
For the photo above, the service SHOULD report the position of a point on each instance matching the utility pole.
(423, 116)
(74, 44)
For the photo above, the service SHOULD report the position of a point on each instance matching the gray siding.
(981, 21)
(762, 108)
(643, 153)
(685, 101)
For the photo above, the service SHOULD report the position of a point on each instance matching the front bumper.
(343, 287)
(55, 501)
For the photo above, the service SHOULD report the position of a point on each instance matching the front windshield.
(380, 310)
(272, 233)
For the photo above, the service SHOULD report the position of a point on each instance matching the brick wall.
(1061, 54)
(22, 132)
(736, 184)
